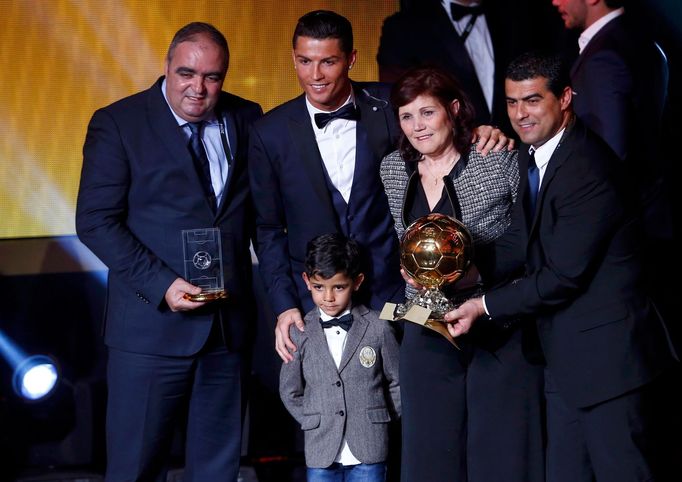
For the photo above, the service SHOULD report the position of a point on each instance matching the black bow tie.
(343, 322)
(458, 11)
(348, 111)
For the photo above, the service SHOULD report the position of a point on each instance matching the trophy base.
(431, 299)
(207, 296)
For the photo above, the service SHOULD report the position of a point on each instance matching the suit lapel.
(559, 156)
(445, 31)
(372, 112)
(595, 44)
(303, 136)
(230, 121)
(165, 126)
(355, 335)
(316, 334)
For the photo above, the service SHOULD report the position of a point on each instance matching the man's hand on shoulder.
(489, 138)
(175, 296)
(283, 343)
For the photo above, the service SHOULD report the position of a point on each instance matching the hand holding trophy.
(204, 263)
(435, 250)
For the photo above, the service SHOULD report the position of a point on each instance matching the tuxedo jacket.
(620, 82)
(139, 189)
(580, 274)
(294, 199)
(357, 400)
(424, 34)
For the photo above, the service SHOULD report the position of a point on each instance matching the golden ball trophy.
(435, 250)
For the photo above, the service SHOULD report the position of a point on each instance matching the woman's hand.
(410, 281)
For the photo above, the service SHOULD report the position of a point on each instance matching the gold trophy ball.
(436, 250)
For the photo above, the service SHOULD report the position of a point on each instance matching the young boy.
(342, 386)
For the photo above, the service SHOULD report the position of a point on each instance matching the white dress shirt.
(336, 142)
(213, 144)
(479, 46)
(544, 153)
(336, 341)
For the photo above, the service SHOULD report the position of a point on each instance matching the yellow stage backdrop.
(62, 59)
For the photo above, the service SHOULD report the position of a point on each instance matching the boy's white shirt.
(336, 341)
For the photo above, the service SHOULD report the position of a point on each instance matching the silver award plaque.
(204, 263)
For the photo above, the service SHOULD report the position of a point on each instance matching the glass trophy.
(204, 263)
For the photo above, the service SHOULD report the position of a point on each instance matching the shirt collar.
(545, 151)
(592, 30)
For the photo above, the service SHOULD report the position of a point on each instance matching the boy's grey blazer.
(358, 400)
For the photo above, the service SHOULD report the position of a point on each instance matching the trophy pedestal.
(414, 312)
(207, 296)
(431, 299)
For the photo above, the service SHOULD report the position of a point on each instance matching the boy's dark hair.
(531, 65)
(190, 31)
(329, 254)
(324, 24)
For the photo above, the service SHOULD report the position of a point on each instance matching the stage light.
(35, 378)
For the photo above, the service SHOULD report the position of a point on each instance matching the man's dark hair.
(531, 65)
(329, 254)
(615, 3)
(189, 32)
(325, 24)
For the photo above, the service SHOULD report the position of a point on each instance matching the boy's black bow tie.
(348, 111)
(344, 322)
(458, 11)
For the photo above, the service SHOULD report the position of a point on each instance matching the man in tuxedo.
(168, 159)
(472, 39)
(313, 173)
(572, 254)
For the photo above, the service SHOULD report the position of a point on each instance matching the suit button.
(338, 383)
(341, 413)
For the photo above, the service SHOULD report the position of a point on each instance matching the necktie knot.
(458, 11)
(348, 111)
(344, 322)
(195, 127)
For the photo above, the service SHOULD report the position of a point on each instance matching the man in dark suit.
(172, 359)
(572, 253)
(308, 179)
(620, 84)
(473, 40)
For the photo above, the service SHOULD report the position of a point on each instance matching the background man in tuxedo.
(140, 186)
(572, 252)
(473, 40)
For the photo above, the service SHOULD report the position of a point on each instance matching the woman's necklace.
(439, 174)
